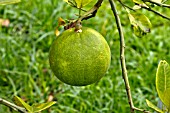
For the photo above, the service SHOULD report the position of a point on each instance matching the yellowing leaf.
(136, 7)
(43, 106)
(140, 23)
(57, 32)
(151, 105)
(25, 105)
(138, 1)
(5, 2)
(163, 82)
(158, 1)
(61, 21)
(66, 1)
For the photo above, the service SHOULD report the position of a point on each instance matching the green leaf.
(25, 105)
(81, 3)
(43, 106)
(163, 82)
(5, 2)
(78, 3)
(151, 105)
(140, 23)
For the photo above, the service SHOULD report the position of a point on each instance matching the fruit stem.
(122, 58)
(79, 12)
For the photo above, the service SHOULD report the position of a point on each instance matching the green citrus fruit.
(79, 58)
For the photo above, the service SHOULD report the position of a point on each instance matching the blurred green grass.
(25, 71)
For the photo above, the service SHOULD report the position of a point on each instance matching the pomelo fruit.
(79, 58)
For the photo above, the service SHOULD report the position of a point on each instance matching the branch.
(157, 13)
(13, 106)
(158, 4)
(92, 12)
(88, 14)
(122, 59)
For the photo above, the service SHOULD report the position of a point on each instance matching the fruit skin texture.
(79, 59)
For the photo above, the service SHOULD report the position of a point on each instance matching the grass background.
(25, 71)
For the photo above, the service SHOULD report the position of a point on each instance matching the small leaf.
(163, 82)
(5, 2)
(81, 3)
(151, 105)
(61, 21)
(43, 106)
(57, 32)
(140, 23)
(22, 103)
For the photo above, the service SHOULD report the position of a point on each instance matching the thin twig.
(141, 110)
(74, 5)
(13, 106)
(79, 8)
(124, 5)
(157, 13)
(158, 4)
(122, 59)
